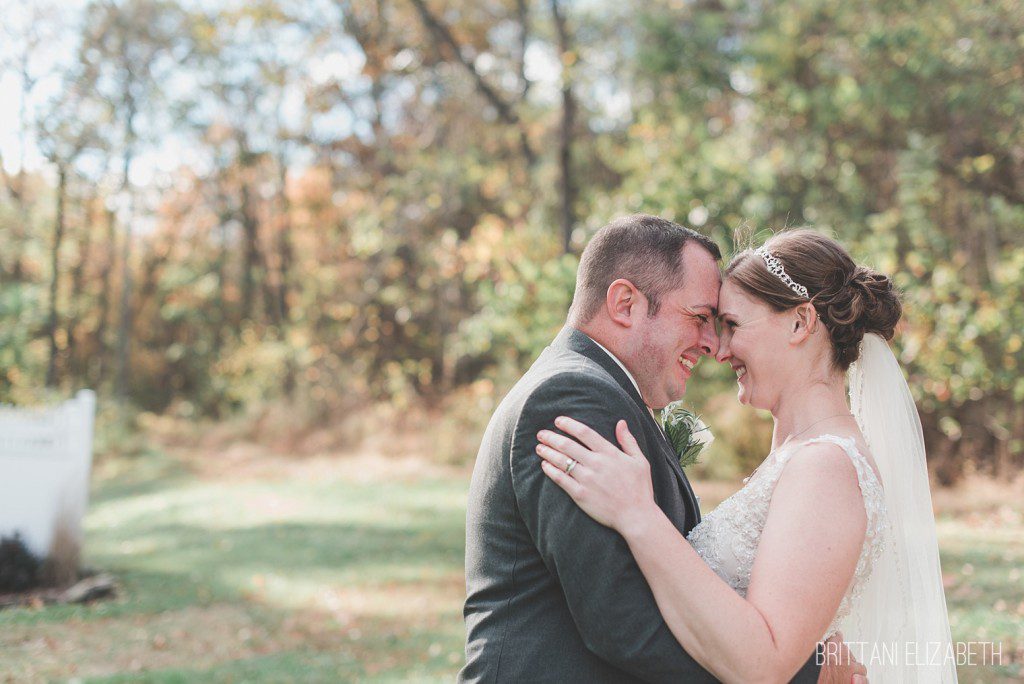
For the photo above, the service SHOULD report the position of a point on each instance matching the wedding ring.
(569, 465)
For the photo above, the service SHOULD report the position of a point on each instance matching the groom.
(553, 596)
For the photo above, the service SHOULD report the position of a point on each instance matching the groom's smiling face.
(669, 344)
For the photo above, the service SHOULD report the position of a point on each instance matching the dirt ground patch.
(343, 619)
(194, 636)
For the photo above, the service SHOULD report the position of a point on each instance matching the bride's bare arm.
(806, 558)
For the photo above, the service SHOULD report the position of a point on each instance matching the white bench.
(45, 459)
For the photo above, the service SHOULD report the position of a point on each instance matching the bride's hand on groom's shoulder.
(612, 485)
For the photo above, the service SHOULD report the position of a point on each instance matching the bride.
(834, 529)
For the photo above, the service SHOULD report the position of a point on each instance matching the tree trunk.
(566, 182)
(124, 330)
(284, 244)
(221, 306)
(285, 256)
(523, 14)
(58, 238)
(21, 226)
(78, 283)
(106, 296)
(251, 247)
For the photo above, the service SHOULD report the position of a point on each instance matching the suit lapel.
(693, 508)
(582, 344)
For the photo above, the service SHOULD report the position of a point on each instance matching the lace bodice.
(727, 537)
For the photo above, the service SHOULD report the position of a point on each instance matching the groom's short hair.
(643, 249)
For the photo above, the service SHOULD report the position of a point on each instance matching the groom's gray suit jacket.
(553, 596)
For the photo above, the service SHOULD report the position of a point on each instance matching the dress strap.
(866, 477)
(849, 445)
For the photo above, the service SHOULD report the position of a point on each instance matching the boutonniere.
(686, 432)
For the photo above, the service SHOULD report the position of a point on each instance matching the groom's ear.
(622, 300)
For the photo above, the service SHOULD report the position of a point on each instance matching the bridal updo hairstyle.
(851, 300)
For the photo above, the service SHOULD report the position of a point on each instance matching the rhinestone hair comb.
(775, 267)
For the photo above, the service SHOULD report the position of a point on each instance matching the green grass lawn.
(313, 577)
(346, 570)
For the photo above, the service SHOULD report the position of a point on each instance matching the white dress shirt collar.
(622, 366)
(633, 380)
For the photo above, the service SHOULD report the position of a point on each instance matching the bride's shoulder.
(823, 469)
(817, 493)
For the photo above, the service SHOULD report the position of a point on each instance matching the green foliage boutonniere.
(686, 432)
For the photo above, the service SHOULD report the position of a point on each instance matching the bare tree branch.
(505, 110)
(523, 12)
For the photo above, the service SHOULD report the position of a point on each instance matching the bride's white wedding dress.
(895, 608)
(727, 538)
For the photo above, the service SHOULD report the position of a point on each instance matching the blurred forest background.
(302, 249)
(369, 213)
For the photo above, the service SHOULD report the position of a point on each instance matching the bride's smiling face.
(753, 341)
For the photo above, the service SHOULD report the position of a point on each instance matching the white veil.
(898, 626)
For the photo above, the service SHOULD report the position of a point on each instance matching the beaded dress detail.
(727, 538)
